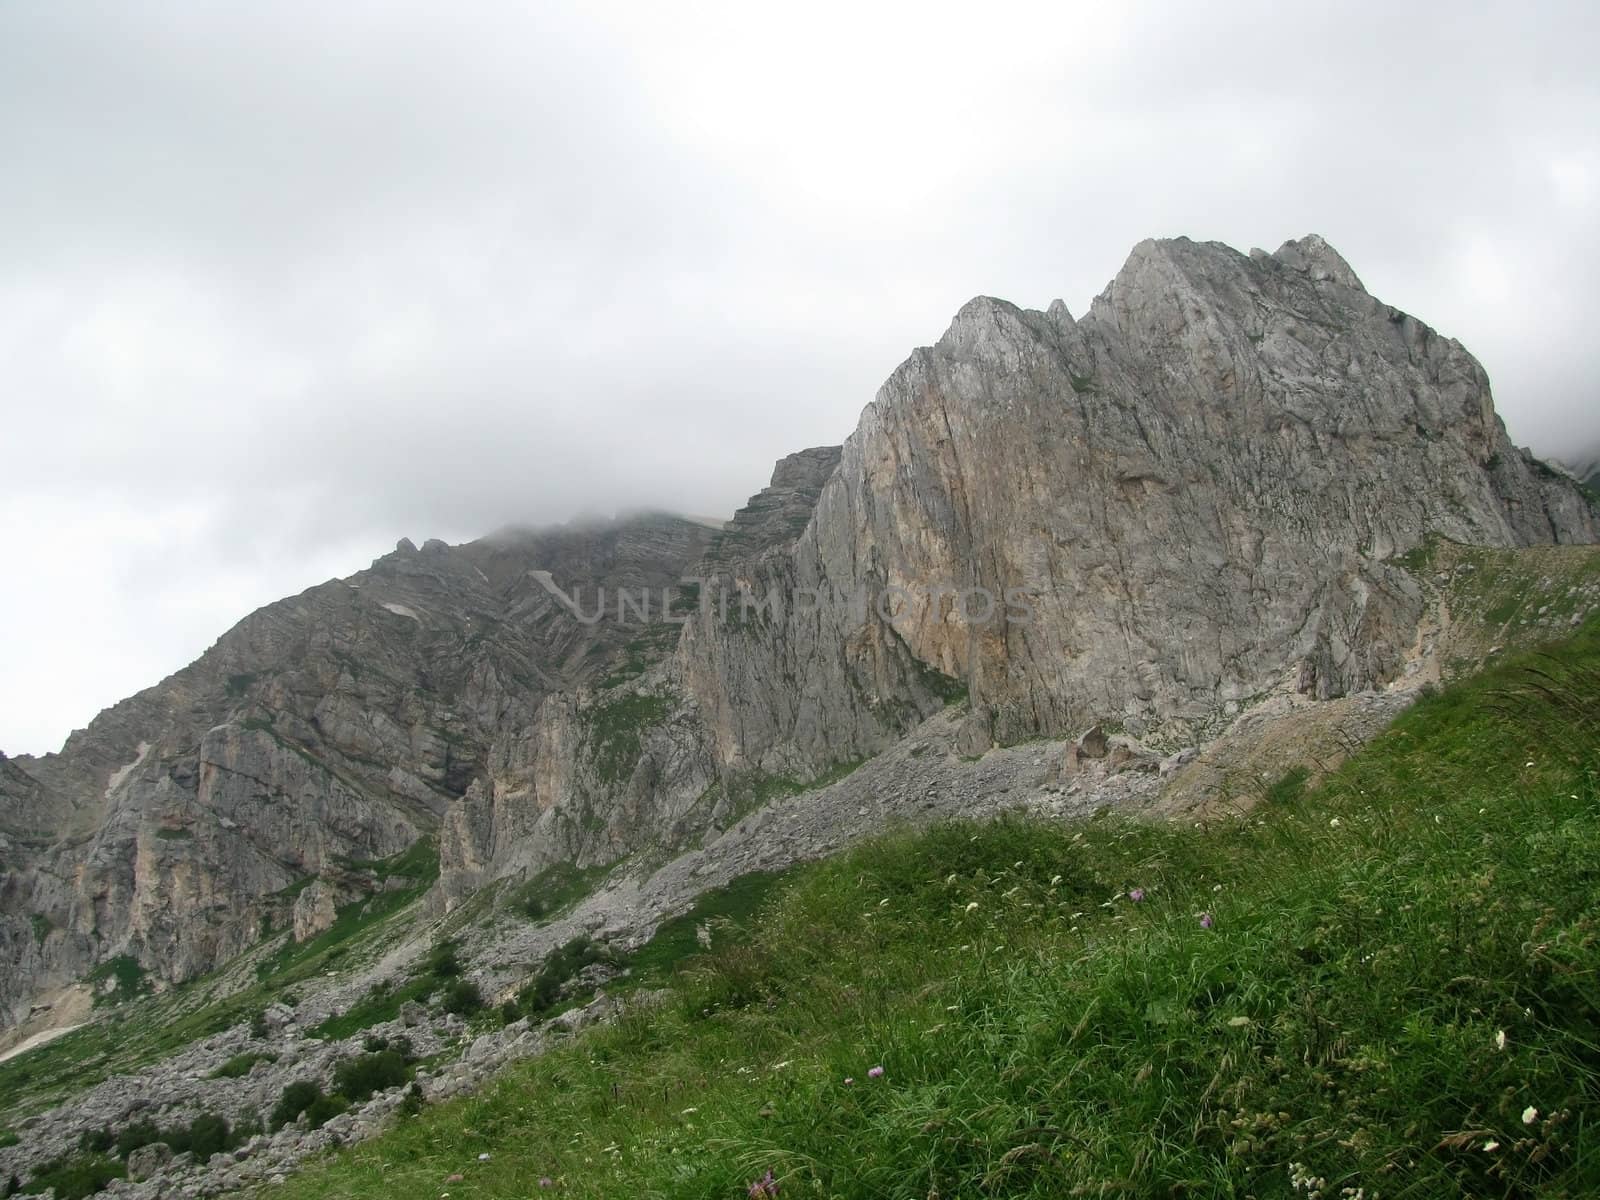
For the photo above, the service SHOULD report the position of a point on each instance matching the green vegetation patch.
(554, 890)
(439, 970)
(946, 687)
(616, 727)
(652, 645)
(240, 1065)
(127, 978)
(751, 791)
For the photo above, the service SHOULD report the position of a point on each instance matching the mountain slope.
(1380, 987)
(333, 726)
(1197, 496)
(1200, 493)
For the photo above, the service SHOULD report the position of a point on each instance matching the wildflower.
(1334, 824)
(875, 1073)
(972, 906)
(1136, 895)
(546, 1182)
(1206, 921)
(763, 1188)
(1491, 1146)
(1500, 1040)
(484, 1157)
(848, 1081)
(1530, 1115)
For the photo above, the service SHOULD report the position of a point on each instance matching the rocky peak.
(774, 516)
(1312, 256)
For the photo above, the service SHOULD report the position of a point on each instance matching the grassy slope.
(1045, 1036)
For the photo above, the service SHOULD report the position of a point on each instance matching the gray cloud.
(286, 282)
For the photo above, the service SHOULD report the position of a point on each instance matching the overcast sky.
(284, 282)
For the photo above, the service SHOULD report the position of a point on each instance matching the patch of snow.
(400, 610)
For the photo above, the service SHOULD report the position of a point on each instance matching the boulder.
(149, 1160)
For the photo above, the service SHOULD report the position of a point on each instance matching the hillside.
(1388, 983)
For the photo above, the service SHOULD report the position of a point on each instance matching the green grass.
(554, 890)
(240, 1064)
(291, 962)
(1400, 963)
(382, 1003)
(724, 910)
(418, 863)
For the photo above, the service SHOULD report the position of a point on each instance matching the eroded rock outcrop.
(334, 727)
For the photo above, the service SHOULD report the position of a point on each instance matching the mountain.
(1207, 491)
(334, 727)
(1585, 468)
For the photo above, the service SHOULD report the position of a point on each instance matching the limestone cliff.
(1199, 492)
(1196, 494)
(336, 726)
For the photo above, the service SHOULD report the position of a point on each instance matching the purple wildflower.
(1206, 921)
(875, 1073)
(1136, 895)
(764, 1188)
(546, 1182)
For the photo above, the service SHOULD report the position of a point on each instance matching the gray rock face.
(1199, 487)
(336, 725)
(1193, 495)
(1145, 519)
(149, 1160)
